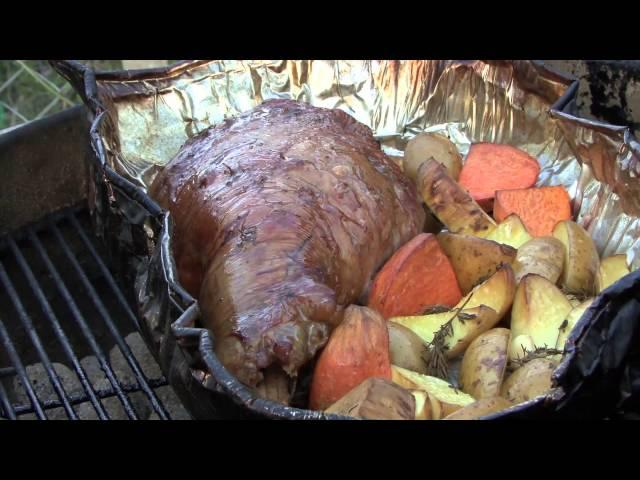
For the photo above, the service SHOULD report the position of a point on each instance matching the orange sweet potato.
(538, 208)
(490, 167)
(358, 349)
(417, 276)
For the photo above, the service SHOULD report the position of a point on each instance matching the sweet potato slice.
(358, 349)
(416, 277)
(490, 167)
(540, 208)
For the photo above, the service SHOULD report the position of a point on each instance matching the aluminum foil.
(142, 119)
(151, 116)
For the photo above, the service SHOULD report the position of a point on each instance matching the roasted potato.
(474, 259)
(450, 203)
(581, 260)
(611, 270)
(529, 381)
(424, 146)
(543, 256)
(484, 364)
(424, 410)
(480, 408)
(448, 398)
(487, 305)
(511, 231)
(406, 348)
(518, 345)
(574, 315)
(475, 321)
(496, 292)
(539, 308)
(376, 399)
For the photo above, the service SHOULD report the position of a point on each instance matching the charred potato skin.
(450, 203)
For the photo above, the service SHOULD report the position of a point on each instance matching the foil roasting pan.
(142, 118)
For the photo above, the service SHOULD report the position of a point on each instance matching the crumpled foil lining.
(142, 118)
(470, 101)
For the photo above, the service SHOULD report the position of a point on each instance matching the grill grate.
(63, 323)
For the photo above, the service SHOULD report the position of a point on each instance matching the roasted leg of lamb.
(282, 217)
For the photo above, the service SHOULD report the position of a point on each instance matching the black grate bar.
(82, 398)
(35, 340)
(124, 348)
(7, 408)
(103, 268)
(22, 373)
(88, 335)
(53, 320)
(7, 372)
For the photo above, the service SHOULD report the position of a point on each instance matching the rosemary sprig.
(575, 296)
(537, 352)
(434, 354)
(436, 309)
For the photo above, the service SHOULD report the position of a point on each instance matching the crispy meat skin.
(282, 216)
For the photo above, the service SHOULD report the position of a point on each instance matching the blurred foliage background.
(31, 89)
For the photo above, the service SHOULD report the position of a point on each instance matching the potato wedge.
(511, 231)
(449, 399)
(496, 292)
(611, 270)
(450, 203)
(543, 256)
(476, 320)
(484, 364)
(376, 399)
(539, 308)
(428, 407)
(424, 146)
(489, 302)
(581, 260)
(572, 319)
(518, 345)
(474, 259)
(480, 408)
(529, 381)
(406, 348)
(423, 405)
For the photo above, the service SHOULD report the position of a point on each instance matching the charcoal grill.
(68, 333)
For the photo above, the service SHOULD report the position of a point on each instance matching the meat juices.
(282, 217)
